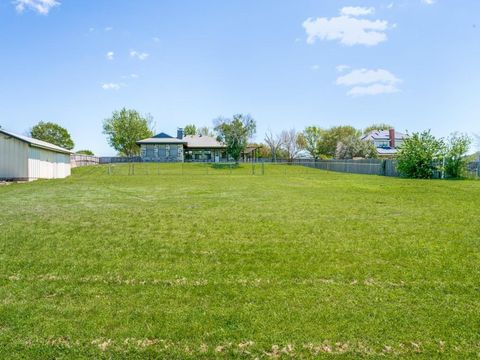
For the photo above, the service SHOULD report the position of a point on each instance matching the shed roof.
(37, 143)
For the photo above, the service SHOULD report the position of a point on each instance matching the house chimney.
(391, 134)
(180, 134)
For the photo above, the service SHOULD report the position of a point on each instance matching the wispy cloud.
(347, 28)
(138, 55)
(156, 39)
(131, 76)
(357, 11)
(112, 86)
(369, 82)
(342, 68)
(315, 67)
(108, 28)
(428, 2)
(40, 6)
(110, 55)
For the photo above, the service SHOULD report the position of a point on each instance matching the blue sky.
(290, 64)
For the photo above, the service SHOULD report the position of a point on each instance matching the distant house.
(187, 148)
(24, 158)
(387, 142)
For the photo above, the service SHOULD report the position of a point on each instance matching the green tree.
(235, 133)
(373, 127)
(310, 139)
(327, 145)
(353, 147)
(53, 134)
(125, 128)
(455, 159)
(190, 129)
(85, 152)
(205, 131)
(420, 155)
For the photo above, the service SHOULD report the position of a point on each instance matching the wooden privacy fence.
(363, 166)
(78, 160)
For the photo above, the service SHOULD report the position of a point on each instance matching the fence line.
(380, 167)
(79, 160)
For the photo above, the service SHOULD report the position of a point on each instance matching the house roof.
(383, 135)
(161, 138)
(202, 141)
(37, 143)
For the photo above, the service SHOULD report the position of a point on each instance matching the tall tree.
(190, 129)
(310, 139)
(52, 133)
(327, 145)
(291, 143)
(125, 128)
(274, 142)
(354, 147)
(374, 127)
(205, 131)
(235, 133)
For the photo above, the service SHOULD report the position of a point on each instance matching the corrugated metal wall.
(13, 158)
(45, 164)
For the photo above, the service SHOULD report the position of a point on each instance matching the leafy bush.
(455, 159)
(420, 155)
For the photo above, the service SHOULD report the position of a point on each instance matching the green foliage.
(455, 160)
(190, 129)
(327, 145)
(85, 152)
(309, 140)
(205, 131)
(420, 156)
(235, 133)
(353, 147)
(162, 265)
(53, 134)
(125, 128)
(373, 127)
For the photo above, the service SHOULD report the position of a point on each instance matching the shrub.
(455, 159)
(420, 155)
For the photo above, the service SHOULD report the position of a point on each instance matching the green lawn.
(194, 262)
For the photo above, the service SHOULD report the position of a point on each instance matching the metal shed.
(24, 158)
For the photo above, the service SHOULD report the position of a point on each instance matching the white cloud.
(131, 76)
(369, 82)
(364, 76)
(390, 6)
(40, 6)
(357, 11)
(375, 89)
(111, 86)
(428, 2)
(110, 55)
(347, 28)
(342, 68)
(108, 28)
(138, 55)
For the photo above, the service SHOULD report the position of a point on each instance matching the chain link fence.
(129, 167)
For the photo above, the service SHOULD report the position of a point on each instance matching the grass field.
(219, 263)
